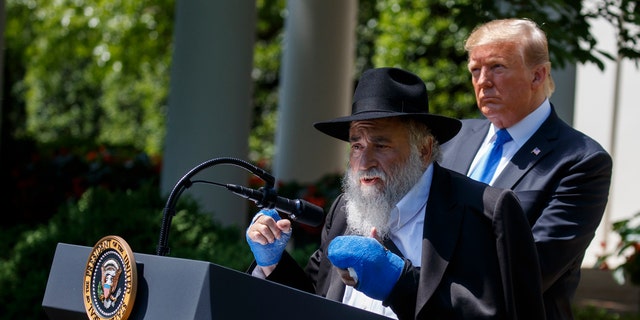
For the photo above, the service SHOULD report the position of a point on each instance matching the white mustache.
(371, 174)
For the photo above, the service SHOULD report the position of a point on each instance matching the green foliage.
(624, 16)
(628, 248)
(427, 37)
(136, 216)
(596, 313)
(567, 24)
(195, 236)
(97, 71)
(41, 178)
(322, 193)
(266, 73)
(133, 215)
(86, 73)
(94, 71)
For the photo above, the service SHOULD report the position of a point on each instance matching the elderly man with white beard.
(408, 239)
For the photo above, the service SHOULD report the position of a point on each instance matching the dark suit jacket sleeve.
(402, 298)
(314, 278)
(289, 273)
(563, 190)
(517, 256)
(572, 212)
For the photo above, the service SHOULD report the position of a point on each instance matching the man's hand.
(366, 263)
(267, 237)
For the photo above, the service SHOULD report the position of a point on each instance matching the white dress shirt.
(520, 132)
(407, 224)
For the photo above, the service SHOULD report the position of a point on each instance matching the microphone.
(298, 210)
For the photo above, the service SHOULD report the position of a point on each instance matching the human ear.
(426, 150)
(540, 74)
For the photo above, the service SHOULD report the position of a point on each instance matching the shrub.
(133, 215)
(628, 249)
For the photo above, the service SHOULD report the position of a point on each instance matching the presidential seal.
(110, 280)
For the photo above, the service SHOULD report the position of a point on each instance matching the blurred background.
(106, 104)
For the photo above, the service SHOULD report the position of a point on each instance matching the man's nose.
(484, 78)
(367, 158)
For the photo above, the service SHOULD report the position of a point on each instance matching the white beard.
(370, 206)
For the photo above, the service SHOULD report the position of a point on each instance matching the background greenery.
(85, 95)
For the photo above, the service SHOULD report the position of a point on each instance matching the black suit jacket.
(478, 257)
(562, 179)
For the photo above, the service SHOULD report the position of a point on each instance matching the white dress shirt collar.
(407, 225)
(525, 128)
(520, 132)
(413, 202)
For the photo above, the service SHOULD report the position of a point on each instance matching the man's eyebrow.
(374, 139)
(380, 139)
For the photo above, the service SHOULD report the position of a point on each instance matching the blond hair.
(526, 34)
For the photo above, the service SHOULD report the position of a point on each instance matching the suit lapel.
(443, 218)
(441, 228)
(540, 144)
(459, 155)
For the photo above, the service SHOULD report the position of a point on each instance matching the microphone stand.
(185, 182)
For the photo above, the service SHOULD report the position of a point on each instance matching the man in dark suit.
(408, 239)
(560, 175)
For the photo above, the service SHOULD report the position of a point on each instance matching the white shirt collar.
(407, 223)
(413, 202)
(520, 132)
(525, 128)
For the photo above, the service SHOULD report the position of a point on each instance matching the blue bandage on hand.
(377, 269)
(270, 253)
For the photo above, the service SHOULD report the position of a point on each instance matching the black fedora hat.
(390, 92)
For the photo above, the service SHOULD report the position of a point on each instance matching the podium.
(175, 288)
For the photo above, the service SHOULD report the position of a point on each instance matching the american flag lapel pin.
(535, 151)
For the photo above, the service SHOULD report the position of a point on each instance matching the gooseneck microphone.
(266, 197)
(298, 210)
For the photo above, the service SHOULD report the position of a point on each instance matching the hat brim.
(443, 128)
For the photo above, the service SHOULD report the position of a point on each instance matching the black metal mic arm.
(185, 182)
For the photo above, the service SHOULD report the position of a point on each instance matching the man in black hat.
(408, 239)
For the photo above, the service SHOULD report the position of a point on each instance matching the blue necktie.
(491, 161)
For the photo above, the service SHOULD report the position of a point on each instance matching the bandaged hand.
(376, 269)
(267, 237)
